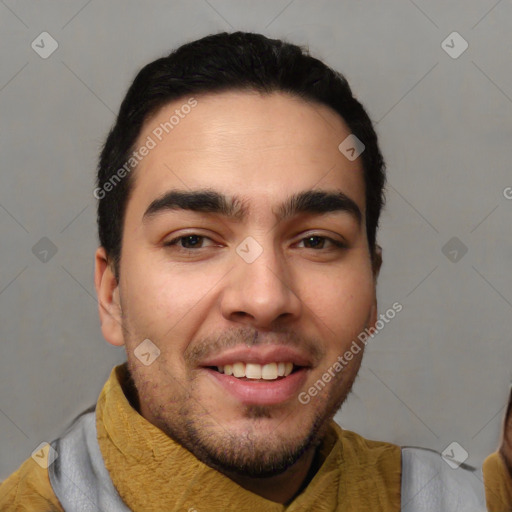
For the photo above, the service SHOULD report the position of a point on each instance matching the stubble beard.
(249, 453)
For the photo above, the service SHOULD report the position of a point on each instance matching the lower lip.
(262, 392)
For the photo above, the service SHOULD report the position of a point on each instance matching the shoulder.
(370, 473)
(419, 478)
(368, 451)
(28, 489)
(378, 461)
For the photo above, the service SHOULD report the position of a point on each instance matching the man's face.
(252, 293)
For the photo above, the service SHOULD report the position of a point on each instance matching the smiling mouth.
(257, 372)
(272, 383)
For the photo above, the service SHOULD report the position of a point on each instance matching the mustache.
(214, 344)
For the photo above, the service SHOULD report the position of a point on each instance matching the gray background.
(440, 371)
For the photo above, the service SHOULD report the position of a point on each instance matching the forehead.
(263, 148)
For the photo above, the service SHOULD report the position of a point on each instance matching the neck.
(282, 488)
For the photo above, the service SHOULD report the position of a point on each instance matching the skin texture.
(314, 297)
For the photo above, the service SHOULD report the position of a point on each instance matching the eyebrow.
(213, 202)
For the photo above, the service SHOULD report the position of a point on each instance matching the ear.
(376, 261)
(109, 306)
(376, 264)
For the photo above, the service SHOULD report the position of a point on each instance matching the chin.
(256, 457)
(254, 446)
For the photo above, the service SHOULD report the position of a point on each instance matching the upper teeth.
(268, 371)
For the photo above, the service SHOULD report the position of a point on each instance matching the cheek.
(161, 297)
(342, 300)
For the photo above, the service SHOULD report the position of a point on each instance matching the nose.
(261, 293)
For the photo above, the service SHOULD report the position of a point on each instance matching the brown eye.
(187, 241)
(318, 242)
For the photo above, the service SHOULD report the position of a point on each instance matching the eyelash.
(174, 242)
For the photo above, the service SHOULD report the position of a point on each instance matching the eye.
(318, 242)
(187, 242)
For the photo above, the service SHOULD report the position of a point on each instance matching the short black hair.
(227, 61)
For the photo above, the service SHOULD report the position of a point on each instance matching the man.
(239, 198)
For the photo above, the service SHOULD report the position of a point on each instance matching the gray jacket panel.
(430, 484)
(78, 475)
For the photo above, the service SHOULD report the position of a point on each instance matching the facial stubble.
(248, 453)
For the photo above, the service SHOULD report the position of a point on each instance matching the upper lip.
(261, 354)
